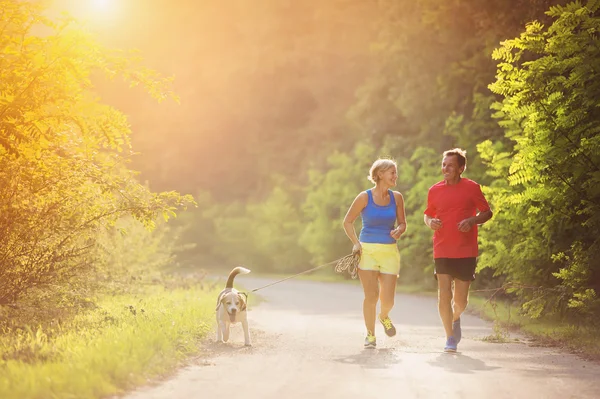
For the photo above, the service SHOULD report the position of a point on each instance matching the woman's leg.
(388, 293)
(370, 284)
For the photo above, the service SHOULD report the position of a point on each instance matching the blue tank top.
(378, 221)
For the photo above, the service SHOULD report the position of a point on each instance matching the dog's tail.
(235, 272)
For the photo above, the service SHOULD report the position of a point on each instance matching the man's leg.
(445, 301)
(370, 284)
(461, 297)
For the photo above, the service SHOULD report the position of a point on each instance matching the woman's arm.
(400, 216)
(359, 203)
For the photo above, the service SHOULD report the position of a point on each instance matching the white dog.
(231, 308)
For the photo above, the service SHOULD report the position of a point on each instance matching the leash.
(348, 262)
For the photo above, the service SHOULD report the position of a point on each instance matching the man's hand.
(435, 224)
(466, 225)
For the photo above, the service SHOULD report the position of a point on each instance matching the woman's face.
(388, 177)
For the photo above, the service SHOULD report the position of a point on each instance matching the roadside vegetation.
(101, 281)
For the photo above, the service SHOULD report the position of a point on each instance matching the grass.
(582, 340)
(121, 344)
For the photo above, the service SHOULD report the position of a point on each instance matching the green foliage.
(429, 90)
(550, 205)
(328, 198)
(433, 67)
(264, 87)
(129, 255)
(63, 155)
(277, 225)
(415, 177)
(332, 194)
(260, 235)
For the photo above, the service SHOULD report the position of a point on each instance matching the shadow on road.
(371, 358)
(459, 363)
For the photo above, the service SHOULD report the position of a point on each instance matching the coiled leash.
(348, 262)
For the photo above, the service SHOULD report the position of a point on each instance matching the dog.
(231, 308)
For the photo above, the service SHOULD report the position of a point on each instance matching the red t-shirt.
(452, 204)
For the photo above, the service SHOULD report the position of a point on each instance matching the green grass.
(583, 340)
(121, 344)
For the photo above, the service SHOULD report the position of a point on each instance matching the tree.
(63, 154)
(264, 87)
(550, 80)
(328, 198)
(432, 71)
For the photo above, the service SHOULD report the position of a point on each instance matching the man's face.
(450, 168)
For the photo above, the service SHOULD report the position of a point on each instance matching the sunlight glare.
(103, 6)
(101, 3)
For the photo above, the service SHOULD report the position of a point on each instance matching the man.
(455, 206)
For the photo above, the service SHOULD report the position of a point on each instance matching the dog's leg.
(225, 328)
(246, 333)
(219, 331)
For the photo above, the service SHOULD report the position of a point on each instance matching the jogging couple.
(455, 206)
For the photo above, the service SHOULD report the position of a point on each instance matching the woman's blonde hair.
(381, 165)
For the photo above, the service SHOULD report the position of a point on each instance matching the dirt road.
(308, 339)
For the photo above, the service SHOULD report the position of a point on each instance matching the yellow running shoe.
(390, 330)
(370, 341)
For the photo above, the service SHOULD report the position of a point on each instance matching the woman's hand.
(357, 249)
(397, 232)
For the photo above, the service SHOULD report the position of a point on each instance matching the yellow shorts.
(383, 258)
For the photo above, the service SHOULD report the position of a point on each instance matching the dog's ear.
(243, 299)
(220, 300)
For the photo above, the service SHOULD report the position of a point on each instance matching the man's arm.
(432, 223)
(482, 217)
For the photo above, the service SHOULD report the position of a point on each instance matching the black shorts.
(460, 268)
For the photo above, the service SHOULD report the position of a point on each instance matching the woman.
(379, 265)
